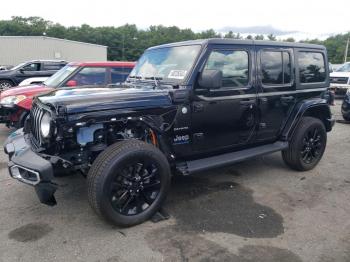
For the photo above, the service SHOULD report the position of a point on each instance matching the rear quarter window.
(312, 67)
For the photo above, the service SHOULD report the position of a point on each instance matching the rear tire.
(128, 182)
(307, 145)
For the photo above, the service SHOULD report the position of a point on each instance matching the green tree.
(128, 42)
(271, 37)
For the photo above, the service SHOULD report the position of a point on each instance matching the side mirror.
(21, 70)
(210, 78)
(72, 83)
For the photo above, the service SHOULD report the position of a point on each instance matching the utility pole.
(346, 50)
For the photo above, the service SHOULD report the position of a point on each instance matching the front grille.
(36, 114)
(339, 80)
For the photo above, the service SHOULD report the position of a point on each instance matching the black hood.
(78, 100)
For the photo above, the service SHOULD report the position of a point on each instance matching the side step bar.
(190, 167)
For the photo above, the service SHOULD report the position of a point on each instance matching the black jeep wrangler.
(186, 107)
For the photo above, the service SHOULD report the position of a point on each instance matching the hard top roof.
(105, 63)
(221, 41)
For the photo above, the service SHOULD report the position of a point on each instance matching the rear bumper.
(28, 167)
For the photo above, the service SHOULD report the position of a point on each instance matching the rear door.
(276, 85)
(48, 68)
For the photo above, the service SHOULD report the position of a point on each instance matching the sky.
(295, 17)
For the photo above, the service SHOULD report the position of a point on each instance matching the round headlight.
(45, 125)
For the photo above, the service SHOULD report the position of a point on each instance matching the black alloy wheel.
(307, 144)
(135, 187)
(312, 146)
(128, 182)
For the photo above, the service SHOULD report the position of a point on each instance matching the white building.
(17, 49)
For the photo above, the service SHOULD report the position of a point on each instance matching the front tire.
(346, 117)
(5, 84)
(128, 182)
(307, 145)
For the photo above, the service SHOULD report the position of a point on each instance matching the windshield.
(56, 79)
(18, 66)
(344, 68)
(170, 64)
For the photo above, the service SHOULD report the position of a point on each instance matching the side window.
(32, 67)
(119, 74)
(311, 67)
(52, 66)
(234, 65)
(90, 76)
(275, 67)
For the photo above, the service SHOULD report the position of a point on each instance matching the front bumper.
(29, 167)
(345, 108)
(4, 114)
(339, 89)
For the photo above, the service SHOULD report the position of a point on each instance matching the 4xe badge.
(181, 139)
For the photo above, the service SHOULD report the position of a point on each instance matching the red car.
(16, 103)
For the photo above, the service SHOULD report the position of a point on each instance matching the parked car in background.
(15, 103)
(3, 67)
(345, 107)
(35, 68)
(340, 79)
(32, 81)
(186, 107)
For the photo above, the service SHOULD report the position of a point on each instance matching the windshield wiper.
(155, 78)
(136, 77)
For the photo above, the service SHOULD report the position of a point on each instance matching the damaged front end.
(29, 167)
(55, 139)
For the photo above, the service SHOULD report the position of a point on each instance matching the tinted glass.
(32, 67)
(276, 68)
(234, 66)
(119, 75)
(311, 67)
(90, 76)
(52, 66)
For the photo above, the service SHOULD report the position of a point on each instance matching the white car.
(340, 79)
(32, 81)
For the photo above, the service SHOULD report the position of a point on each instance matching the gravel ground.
(258, 210)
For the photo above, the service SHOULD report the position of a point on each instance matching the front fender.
(315, 107)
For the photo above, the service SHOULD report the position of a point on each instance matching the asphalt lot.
(258, 210)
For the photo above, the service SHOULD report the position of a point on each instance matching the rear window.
(311, 67)
(119, 74)
(275, 67)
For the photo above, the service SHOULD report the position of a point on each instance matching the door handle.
(287, 99)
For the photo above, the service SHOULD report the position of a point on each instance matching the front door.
(27, 71)
(226, 117)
